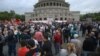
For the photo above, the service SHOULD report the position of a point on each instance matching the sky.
(22, 6)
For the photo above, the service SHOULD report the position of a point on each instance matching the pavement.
(5, 51)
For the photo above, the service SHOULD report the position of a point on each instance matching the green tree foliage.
(9, 15)
(94, 16)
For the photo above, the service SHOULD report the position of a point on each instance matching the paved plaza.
(53, 49)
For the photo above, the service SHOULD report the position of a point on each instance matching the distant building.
(52, 10)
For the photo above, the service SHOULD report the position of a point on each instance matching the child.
(23, 49)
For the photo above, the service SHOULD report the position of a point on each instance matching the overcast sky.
(22, 6)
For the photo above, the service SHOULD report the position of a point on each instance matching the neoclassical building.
(52, 10)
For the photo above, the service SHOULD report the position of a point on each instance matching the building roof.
(51, 2)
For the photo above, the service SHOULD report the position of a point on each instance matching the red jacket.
(22, 51)
(57, 38)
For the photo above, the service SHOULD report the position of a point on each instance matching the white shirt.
(63, 52)
(36, 42)
(32, 30)
(72, 54)
(76, 42)
(15, 32)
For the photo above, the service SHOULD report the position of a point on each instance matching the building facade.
(52, 10)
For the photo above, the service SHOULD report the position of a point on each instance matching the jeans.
(12, 49)
(85, 53)
(1, 50)
(57, 47)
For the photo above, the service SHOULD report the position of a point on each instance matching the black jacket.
(47, 48)
(89, 44)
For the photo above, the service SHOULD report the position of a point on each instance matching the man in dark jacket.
(89, 44)
(66, 34)
(24, 35)
(11, 40)
(47, 48)
(33, 49)
(1, 44)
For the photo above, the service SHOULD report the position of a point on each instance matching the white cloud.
(21, 6)
(85, 6)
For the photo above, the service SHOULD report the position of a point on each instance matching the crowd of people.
(38, 39)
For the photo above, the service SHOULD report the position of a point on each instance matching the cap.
(76, 35)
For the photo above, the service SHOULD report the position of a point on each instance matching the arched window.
(65, 18)
(56, 18)
(40, 19)
(60, 4)
(45, 18)
(73, 19)
(47, 4)
(54, 3)
(36, 19)
(44, 4)
(61, 18)
(57, 4)
(50, 4)
(41, 5)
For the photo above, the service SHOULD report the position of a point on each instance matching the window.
(73, 19)
(36, 19)
(44, 5)
(30, 19)
(45, 18)
(40, 18)
(41, 5)
(56, 18)
(54, 4)
(61, 18)
(57, 4)
(60, 4)
(50, 4)
(47, 4)
(65, 18)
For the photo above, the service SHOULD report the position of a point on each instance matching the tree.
(9, 15)
(94, 16)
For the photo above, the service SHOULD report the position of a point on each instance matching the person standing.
(71, 49)
(24, 35)
(33, 50)
(77, 44)
(39, 37)
(63, 51)
(23, 49)
(11, 40)
(98, 40)
(66, 34)
(1, 43)
(57, 41)
(89, 44)
(46, 48)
